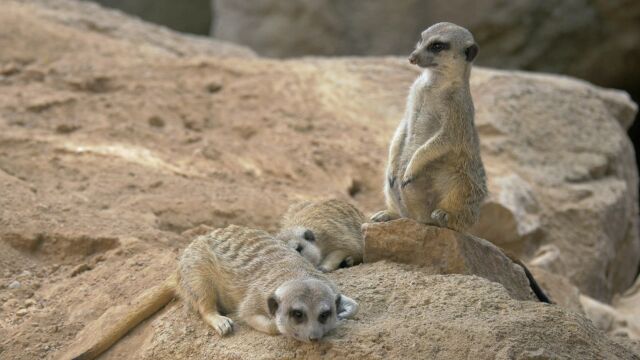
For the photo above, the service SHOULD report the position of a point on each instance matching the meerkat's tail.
(534, 285)
(537, 290)
(143, 307)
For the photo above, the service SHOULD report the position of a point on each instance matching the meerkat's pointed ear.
(272, 303)
(346, 307)
(471, 52)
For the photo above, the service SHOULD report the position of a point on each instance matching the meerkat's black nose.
(413, 59)
(299, 248)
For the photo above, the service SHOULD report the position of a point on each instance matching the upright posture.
(434, 172)
(327, 233)
(246, 272)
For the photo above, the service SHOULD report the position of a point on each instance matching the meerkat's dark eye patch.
(309, 235)
(297, 315)
(324, 316)
(438, 46)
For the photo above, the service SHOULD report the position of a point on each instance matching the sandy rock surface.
(405, 313)
(119, 141)
(444, 251)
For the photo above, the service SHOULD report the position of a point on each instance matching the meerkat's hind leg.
(461, 206)
(440, 217)
(391, 212)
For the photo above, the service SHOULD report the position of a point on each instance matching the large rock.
(119, 139)
(443, 251)
(594, 40)
(564, 178)
(511, 214)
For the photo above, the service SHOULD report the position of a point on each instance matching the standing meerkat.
(246, 272)
(434, 171)
(327, 233)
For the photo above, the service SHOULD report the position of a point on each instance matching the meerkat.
(327, 233)
(249, 273)
(434, 172)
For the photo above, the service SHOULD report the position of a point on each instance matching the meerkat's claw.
(392, 181)
(405, 182)
(381, 216)
(440, 217)
(221, 324)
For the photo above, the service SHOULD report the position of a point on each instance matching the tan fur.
(335, 225)
(144, 306)
(434, 171)
(246, 272)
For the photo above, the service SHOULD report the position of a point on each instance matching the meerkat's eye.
(309, 236)
(297, 315)
(324, 316)
(437, 46)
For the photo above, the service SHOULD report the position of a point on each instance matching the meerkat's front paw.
(406, 181)
(381, 216)
(221, 324)
(441, 217)
(347, 262)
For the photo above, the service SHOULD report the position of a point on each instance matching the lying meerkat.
(434, 171)
(327, 233)
(248, 272)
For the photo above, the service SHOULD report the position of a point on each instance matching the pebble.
(214, 87)
(29, 302)
(22, 312)
(15, 284)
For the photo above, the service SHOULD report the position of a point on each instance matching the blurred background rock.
(192, 16)
(595, 40)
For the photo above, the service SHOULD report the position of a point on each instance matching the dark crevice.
(634, 130)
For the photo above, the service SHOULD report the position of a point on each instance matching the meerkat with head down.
(434, 172)
(246, 272)
(327, 233)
